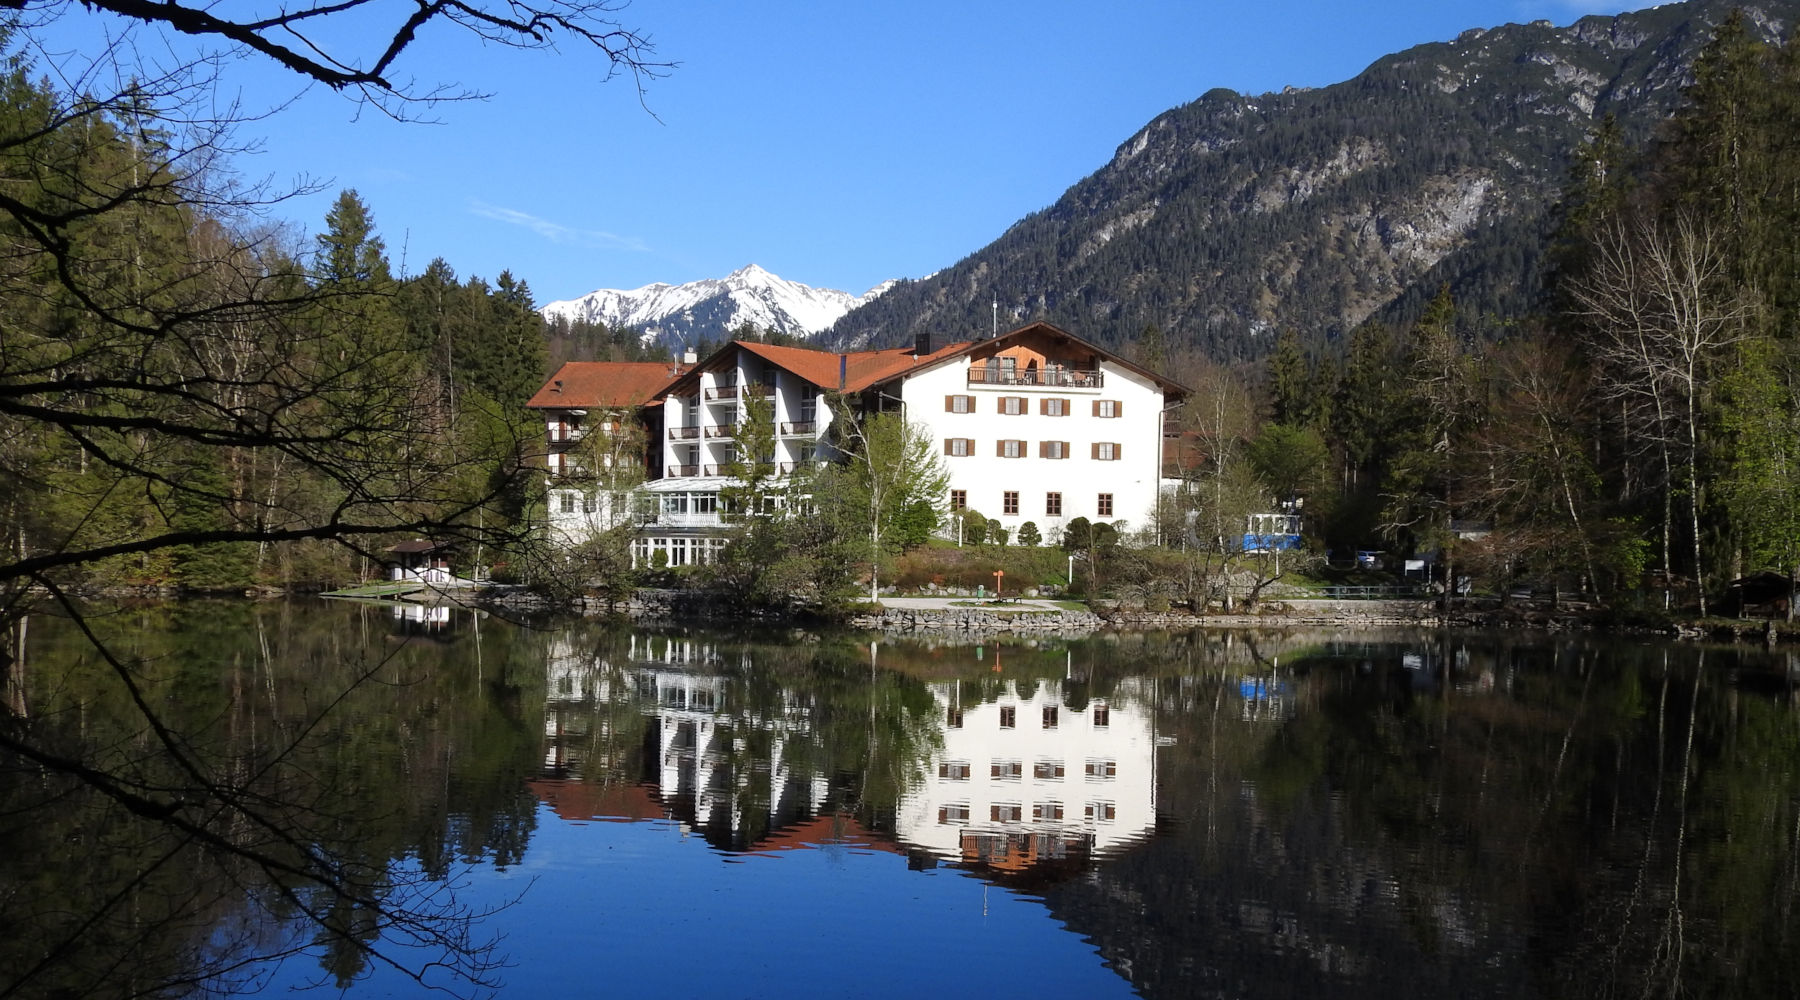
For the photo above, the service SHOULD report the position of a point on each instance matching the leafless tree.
(1657, 297)
(149, 315)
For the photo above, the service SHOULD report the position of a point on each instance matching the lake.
(385, 801)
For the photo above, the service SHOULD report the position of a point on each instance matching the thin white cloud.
(556, 232)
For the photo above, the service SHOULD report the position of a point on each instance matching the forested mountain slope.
(1231, 218)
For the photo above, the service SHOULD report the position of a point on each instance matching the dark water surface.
(339, 795)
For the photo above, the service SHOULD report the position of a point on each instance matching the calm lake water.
(343, 796)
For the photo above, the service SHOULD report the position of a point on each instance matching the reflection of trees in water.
(1567, 818)
(271, 781)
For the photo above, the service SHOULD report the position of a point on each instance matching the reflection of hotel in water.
(1027, 780)
(706, 772)
(1020, 781)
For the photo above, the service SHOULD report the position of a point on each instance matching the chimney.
(558, 385)
(843, 370)
(688, 357)
(921, 345)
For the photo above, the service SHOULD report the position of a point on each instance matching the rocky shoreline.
(650, 606)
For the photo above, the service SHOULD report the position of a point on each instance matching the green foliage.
(1029, 535)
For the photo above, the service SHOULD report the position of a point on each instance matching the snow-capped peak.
(713, 308)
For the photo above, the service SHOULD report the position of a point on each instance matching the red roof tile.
(605, 384)
(860, 369)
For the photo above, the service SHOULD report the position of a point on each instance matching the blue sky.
(837, 144)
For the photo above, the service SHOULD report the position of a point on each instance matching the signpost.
(999, 578)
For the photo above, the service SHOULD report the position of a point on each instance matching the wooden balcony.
(684, 433)
(721, 432)
(722, 392)
(1048, 378)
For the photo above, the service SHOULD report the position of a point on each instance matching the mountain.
(1233, 217)
(712, 309)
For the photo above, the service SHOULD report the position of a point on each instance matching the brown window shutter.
(1118, 452)
(1119, 408)
(947, 442)
(949, 403)
(1096, 404)
(1044, 407)
(1094, 450)
(1000, 448)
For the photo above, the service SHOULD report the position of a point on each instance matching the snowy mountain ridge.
(712, 308)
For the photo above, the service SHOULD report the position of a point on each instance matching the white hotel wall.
(1132, 480)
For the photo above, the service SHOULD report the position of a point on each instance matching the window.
(1053, 449)
(959, 404)
(1010, 449)
(959, 446)
(1047, 770)
(567, 503)
(953, 718)
(590, 504)
(953, 812)
(1047, 811)
(1103, 506)
(1054, 407)
(1005, 812)
(1051, 716)
(1009, 502)
(1106, 451)
(1103, 811)
(959, 499)
(1102, 768)
(1108, 408)
(1014, 405)
(1053, 505)
(1102, 716)
(1006, 770)
(1009, 717)
(954, 770)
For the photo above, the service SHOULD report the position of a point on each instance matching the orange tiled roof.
(605, 384)
(860, 369)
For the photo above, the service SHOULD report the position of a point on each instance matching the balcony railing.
(799, 427)
(758, 389)
(722, 392)
(721, 431)
(1060, 378)
(715, 470)
(681, 470)
(687, 519)
(683, 433)
(566, 435)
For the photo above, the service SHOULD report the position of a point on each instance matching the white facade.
(1066, 460)
(1033, 426)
